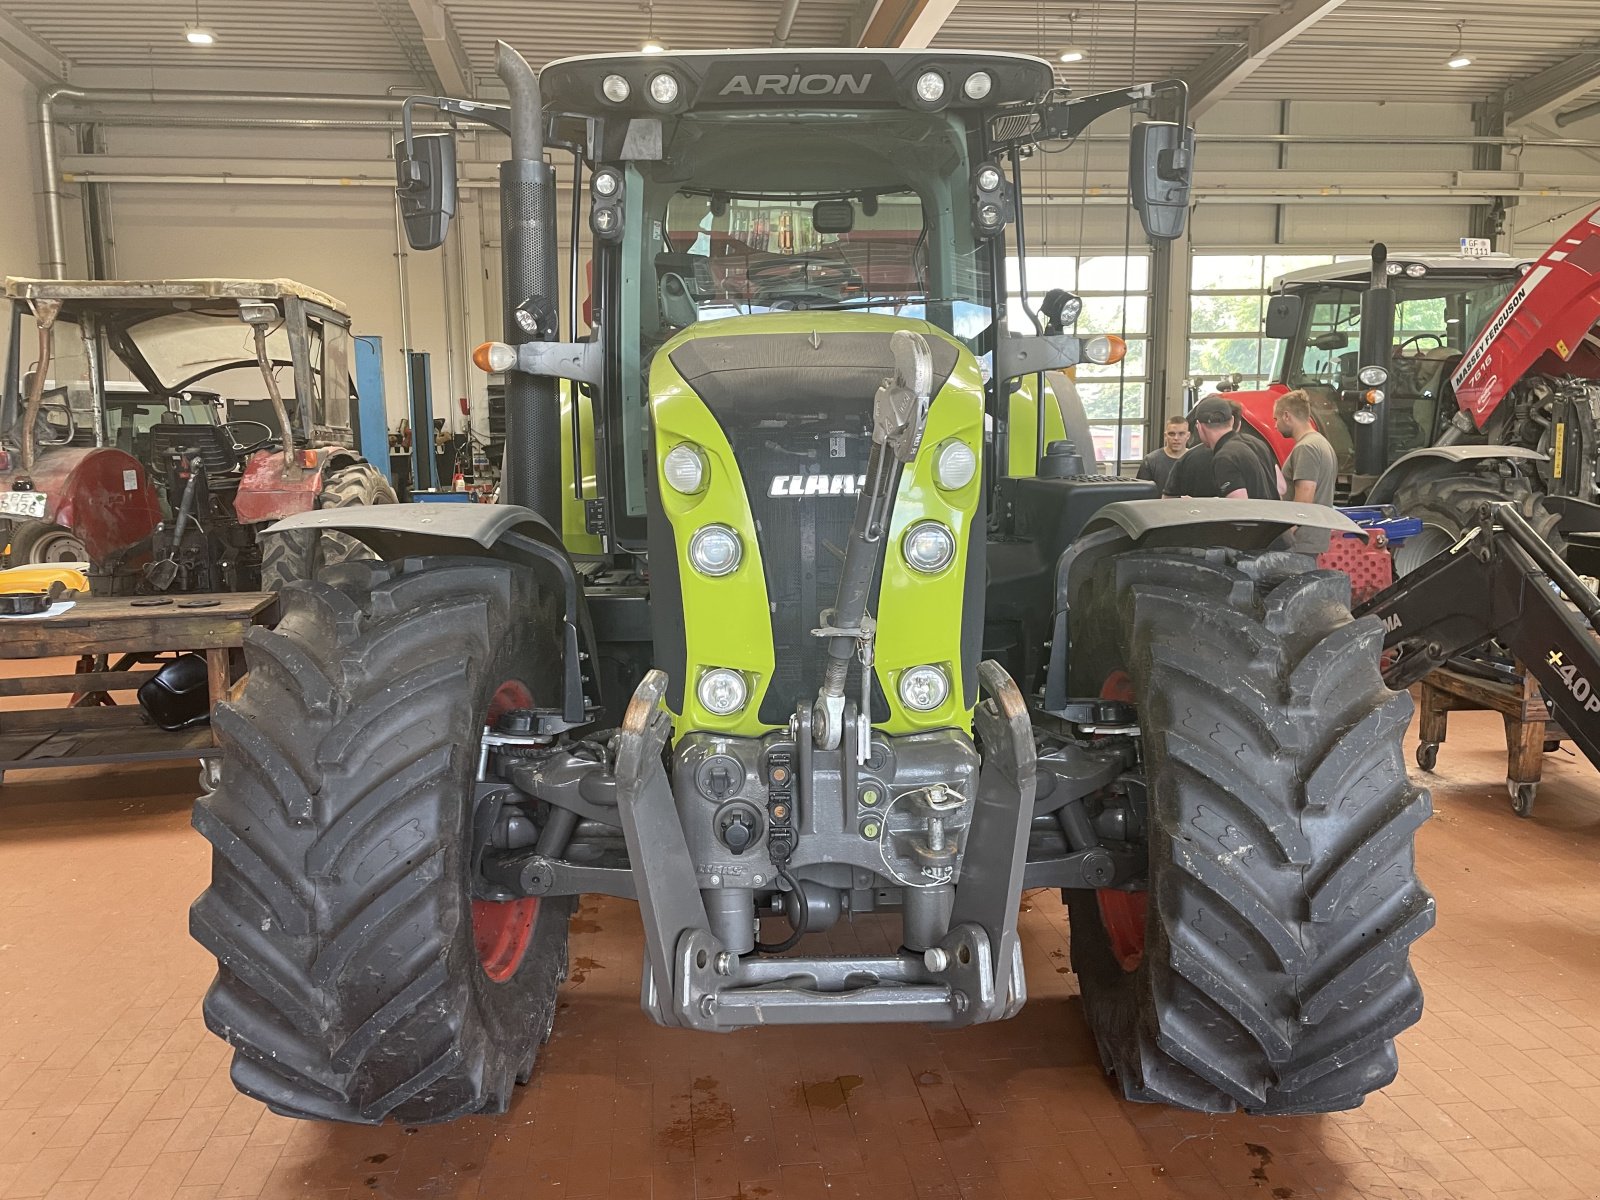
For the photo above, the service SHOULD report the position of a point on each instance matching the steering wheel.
(241, 445)
(1438, 339)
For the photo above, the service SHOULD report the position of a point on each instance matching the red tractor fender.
(100, 493)
(1257, 410)
(1549, 319)
(267, 494)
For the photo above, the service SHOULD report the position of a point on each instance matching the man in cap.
(1237, 471)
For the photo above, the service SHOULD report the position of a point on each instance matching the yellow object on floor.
(38, 578)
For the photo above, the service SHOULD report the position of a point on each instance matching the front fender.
(505, 531)
(1440, 460)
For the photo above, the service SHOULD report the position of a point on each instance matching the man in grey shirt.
(1311, 468)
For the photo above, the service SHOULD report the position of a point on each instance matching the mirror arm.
(581, 362)
(1015, 357)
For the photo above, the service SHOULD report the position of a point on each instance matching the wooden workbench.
(78, 727)
(1530, 729)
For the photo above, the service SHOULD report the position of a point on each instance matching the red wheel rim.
(503, 929)
(1123, 913)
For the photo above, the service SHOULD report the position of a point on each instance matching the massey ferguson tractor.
(837, 662)
(160, 491)
(1445, 381)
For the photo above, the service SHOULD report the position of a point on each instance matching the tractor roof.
(1359, 270)
(160, 295)
(778, 80)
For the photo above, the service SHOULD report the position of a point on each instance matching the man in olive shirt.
(1311, 468)
(1237, 471)
(1158, 464)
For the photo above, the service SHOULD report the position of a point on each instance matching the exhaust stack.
(528, 271)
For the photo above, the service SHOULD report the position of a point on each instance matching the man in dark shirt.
(1158, 463)
(1191, 475)
(1236, 469)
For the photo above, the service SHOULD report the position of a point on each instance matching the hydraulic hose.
(798, 919)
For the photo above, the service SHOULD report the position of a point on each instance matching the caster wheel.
(1522, 795)
(1427, 755)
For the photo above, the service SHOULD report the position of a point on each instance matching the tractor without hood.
(1447, 380)
(854, 636)
(178, 502)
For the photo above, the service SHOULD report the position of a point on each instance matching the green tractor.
(809, 648)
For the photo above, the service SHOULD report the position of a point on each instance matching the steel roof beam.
(37, 62)
(1230, 66)
(909, 24)
(1552, 88)
(447, 55)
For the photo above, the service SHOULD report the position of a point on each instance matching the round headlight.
(1393, 268)
(605, 219)
(954, 464)
(527, 320)
(715, 550)
(1364, 416)
(684, 468)
(664, 88)
(1373, 376)
(722, 691)
(989, 216)
(929, 546)
(988, 179)
(607, 183)
(978, 85)
(924, 689)
(1416, 270)
(930, 87)
(615, 88)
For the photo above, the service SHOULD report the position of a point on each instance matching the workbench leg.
(216, 682)
(1432, 727)
(1524, 762)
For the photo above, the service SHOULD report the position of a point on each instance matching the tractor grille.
(797, 407)
(802, 536)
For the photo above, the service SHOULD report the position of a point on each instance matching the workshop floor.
(110, 1086)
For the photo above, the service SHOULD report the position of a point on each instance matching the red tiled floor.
(110, 1086)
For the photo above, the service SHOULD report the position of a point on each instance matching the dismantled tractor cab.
(158, 486)
(836, 657)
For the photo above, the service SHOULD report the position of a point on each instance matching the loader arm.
(1501, 581)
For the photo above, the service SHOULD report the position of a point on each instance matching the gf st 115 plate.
(22, 504)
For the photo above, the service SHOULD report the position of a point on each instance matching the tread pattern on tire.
(347, 980)
(1452, 503)
(1283, 891)
(305, 554)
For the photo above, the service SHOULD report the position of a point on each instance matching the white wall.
(19, 226)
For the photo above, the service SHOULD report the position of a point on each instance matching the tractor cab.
(1441, 304)
(148, 478)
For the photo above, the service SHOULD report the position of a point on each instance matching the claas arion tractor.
(836, 659)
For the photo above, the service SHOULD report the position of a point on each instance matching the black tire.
(1283, 895)
(38, 542)
(349, 983)
(1448, 506)
(305, 554)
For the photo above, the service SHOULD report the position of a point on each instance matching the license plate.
(22, 504)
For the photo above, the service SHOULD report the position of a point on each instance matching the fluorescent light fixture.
(197, 36)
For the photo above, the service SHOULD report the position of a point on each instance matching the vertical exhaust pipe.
(528, 273)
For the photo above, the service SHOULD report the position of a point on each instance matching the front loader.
(836, 660)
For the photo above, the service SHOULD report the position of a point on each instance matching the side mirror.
(1160, 171)
(1283, 316)
(425, 179)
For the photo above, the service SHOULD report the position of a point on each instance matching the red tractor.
(1447, 380)
(152, 484)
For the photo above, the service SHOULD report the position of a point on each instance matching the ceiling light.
(1072, 52)
(1460, 58)
(196, 36)
(652, 45)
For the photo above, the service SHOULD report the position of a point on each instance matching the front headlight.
(924, 689)
(954, 464)
(684, 468)
(928, 546)
(722, 691)
(1373, 376)
(715, 550)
